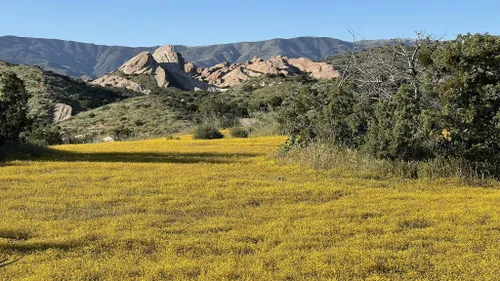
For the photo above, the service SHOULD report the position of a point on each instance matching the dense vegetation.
(433, 101)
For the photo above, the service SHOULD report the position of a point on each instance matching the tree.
(13, 107)
(464, 77)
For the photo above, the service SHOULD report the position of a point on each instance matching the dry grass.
(224, 210)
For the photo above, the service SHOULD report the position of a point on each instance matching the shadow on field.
(145, 157)
(6, 262)
(28, 247)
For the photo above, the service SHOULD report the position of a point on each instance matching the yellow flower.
(446, 134)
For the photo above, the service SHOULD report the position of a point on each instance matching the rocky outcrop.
(168, 55)
(61, 112)
(110, 80)
(318, 70)
(224, 75)
(275, 65)
(161, 77)
(170, 70)
(175, 67)
(167, 66)
(190, 68)
(142, 63)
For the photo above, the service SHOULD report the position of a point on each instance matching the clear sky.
(206, 22)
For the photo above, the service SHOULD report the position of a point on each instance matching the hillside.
(51, 92)
(168, 111)
(140, 117)
(83, 59)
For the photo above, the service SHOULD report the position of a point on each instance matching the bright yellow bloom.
(224, 210)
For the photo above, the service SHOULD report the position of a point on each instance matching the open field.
(225, 210)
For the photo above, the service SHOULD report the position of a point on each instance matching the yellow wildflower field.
(225, 210)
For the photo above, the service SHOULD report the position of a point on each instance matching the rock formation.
(171, 70)
(142, 63)
(224, 75)
(110, 80)
(190, 68)
(167, 55)
(167, 66)
(61, 112)
(318, 70)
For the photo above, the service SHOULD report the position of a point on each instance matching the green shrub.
(239, 132)
(13, 107)
(122, 133)
(44, 134)
(207, 132)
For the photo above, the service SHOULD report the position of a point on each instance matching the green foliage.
(396, 132)
(239, 132)
(221, 112)
(445, 107)
(122, 133)
(207, 131)
(44, 134)
(467, 84)
(13, 107)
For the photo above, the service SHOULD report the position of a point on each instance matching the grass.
(146, 117)
(225, 210)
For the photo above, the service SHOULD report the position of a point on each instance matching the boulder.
(110, 80)
(167, 54)
(61, 112)
(318, 70)
(142, 63)
(108, 139)
(174, 66)
(190, 68)
(161, 77)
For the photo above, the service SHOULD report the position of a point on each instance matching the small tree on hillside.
(13, 107)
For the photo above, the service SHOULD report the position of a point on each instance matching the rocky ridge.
(165, 64)
(224, 75)
(171, 70)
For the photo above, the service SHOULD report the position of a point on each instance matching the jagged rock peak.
(142, 63)
(167, 54)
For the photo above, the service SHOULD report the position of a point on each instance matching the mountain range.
(89, 60)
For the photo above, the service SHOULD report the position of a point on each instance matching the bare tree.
(379, 71)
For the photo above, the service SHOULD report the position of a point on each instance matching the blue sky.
(197, 22)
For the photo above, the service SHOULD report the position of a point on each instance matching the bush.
(220, 112)
(239, 132)
(207, 132)
(122, 133)
(44, 134)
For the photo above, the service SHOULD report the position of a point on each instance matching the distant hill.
(83, 59)
(54, 96)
